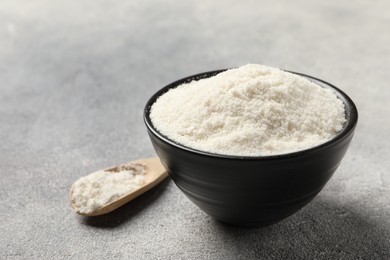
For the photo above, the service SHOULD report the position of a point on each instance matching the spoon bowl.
(154, 174)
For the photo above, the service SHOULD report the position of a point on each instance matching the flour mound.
(98, 189)
(253, 110)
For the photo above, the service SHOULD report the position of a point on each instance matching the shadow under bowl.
(251, 191)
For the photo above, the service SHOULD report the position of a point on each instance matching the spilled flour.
(253, 110)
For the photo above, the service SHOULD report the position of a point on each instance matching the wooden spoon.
(154, 174)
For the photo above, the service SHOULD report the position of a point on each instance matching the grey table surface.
(74, 78)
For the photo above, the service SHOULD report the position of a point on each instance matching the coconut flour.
(253, 110)
(97, 189)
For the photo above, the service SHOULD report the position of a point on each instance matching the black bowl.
(251, 191)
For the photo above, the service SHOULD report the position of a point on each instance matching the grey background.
(75, 75)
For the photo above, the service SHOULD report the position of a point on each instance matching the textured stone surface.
(75, 75)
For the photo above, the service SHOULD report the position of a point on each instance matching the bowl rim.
(349, 106)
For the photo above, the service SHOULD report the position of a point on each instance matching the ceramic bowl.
(251, 191)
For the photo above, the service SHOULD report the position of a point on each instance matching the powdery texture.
(253, 110)
(102, 187)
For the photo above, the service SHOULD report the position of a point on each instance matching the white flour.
(102, 187)
(253, 110)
